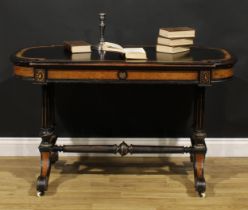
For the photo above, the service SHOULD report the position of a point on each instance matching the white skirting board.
(217, 147)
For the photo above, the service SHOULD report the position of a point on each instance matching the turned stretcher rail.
(122, 149)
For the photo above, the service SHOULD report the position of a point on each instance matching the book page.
(134, 50)
(109, 46)
(135, 53)
(112, 45)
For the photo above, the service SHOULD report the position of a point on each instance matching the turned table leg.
(48, 137)
(198, 142)
(54, 155)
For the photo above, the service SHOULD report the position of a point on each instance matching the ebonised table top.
(59, 64)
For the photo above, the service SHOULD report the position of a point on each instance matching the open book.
(130, 53)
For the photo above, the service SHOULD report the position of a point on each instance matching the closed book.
(77, 46)
(169, 49)
(181, 56)
(174, 42)
(177, 32)
(81, 56)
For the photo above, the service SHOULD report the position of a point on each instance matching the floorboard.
(128, 183)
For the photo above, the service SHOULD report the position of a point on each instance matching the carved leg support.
(42, 180)
(198, 141)
(49, 138)
(198, 162)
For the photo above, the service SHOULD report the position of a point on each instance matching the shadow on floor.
(128, 166)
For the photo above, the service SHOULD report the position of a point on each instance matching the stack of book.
(175, 40)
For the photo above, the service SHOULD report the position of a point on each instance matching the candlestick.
(102, 29)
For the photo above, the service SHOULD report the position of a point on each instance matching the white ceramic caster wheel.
(39, 194)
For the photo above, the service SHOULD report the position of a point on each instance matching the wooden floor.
(116, 183)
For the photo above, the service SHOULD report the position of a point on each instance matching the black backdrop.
(119, 110)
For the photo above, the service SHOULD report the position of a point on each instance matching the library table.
(46, 65)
